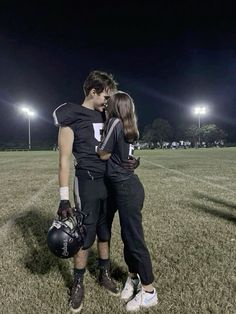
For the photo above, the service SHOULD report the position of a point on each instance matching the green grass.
(189, 220)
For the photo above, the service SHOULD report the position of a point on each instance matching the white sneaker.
(142, 300)
(131, 287)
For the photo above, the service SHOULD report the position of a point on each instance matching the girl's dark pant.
(128, 196)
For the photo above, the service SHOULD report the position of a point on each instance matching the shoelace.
(77, 285)
(107, 274)
(77, 288)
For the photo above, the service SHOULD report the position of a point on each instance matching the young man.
(80, 134)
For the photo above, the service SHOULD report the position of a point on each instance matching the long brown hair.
(121, 106)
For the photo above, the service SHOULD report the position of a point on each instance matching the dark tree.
(159, 131)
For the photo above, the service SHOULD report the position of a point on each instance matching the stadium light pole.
(29, 113)
(199, 110)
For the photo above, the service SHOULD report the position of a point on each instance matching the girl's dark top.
(115, 143)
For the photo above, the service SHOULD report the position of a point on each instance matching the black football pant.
(128, 197)
(90, 195)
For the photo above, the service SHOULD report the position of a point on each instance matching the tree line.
(160, 131)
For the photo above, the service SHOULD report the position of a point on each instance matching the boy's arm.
(65, 143)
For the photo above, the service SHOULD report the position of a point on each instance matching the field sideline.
(189, 220)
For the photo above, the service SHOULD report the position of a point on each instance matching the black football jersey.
(114, 142)
(87, 126)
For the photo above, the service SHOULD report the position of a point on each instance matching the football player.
(80, 128)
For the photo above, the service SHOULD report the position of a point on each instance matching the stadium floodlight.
(200, 110)
(29, 113)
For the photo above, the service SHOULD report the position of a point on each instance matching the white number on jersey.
(131, 150)
(98, 127)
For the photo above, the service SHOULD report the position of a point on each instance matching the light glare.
(24, 109)
(28, 111)
(200, 110)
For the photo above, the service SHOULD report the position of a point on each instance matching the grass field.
(189, 220)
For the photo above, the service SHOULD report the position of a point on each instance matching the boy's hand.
(131, 164)
(65, 209)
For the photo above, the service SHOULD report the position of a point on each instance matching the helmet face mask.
(66, 236)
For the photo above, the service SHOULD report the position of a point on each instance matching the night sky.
(167, 56)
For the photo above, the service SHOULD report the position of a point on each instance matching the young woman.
(117, 147)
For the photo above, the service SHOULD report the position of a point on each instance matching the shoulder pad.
(66, 114)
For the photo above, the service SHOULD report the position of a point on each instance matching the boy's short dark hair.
(100, 81)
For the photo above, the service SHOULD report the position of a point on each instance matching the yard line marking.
(5, 228)
(43, 190)
(229, 161)
(6, 161)
(189, 176)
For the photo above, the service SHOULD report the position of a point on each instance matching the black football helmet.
(66, 236)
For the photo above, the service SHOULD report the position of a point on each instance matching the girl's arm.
(106, 147)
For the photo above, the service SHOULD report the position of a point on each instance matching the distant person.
(55, 147)
(128, 194)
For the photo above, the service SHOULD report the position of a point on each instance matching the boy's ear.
(93, 91)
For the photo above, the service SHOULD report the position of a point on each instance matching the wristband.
(64, 193)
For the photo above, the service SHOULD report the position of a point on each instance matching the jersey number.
(97, 127)
(131, 150)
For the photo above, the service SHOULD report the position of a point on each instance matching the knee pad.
(103, 233)
(90, 237)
